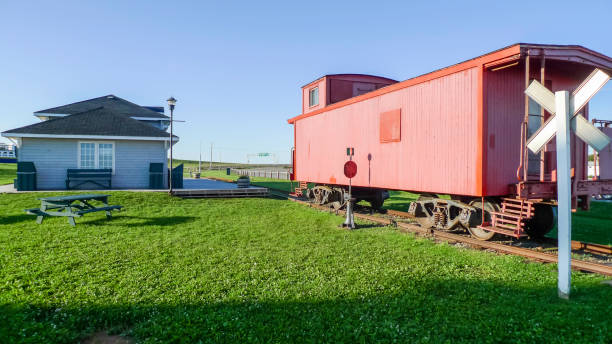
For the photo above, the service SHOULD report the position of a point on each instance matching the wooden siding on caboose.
(456, 130)
(438, 149)
(505, 106)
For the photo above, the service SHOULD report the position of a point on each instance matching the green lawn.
(264, 270)
(8, 172)
(593, 226)
(400, 200)
(276, 184)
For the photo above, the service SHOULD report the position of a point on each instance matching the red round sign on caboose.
(350, 169)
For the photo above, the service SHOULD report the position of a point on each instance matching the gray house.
(101, 133)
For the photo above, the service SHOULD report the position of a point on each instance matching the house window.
(314, 96)
(88, 155)
(96, 155)
(105, 155)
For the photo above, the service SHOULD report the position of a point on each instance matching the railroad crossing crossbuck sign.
(579, 98)
(564, 109)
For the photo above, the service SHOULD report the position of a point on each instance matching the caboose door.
(534, 123)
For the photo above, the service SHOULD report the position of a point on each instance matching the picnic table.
(71, 206)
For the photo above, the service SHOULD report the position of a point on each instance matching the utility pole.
(210, 163)
(200, 160)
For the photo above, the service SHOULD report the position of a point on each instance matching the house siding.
(52, 157)
(132, 159)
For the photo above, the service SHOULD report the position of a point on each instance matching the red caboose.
(460, 131)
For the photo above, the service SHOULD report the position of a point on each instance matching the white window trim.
(310, 91)
(96, 152)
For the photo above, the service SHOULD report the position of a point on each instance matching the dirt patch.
(104, 338)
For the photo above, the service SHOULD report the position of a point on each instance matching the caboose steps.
(507, 232)
(299, 190)
(511, 219)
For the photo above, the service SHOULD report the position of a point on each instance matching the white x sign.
(564, 108)
(579, 98)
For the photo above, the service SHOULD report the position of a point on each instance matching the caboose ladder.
(510, 220)
(299, 190)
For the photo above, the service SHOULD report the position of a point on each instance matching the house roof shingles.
(110, 101)
(100, 121)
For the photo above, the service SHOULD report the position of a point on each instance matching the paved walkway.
(207, 184)
(188, 184)
(8, 188)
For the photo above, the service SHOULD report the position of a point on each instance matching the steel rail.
(589, 247)
(451, 237)
(576, 245)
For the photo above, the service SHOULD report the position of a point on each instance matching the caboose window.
(314, 96)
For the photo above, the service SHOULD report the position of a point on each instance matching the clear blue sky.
(236, 67)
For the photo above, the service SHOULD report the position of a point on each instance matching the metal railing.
(284, 175)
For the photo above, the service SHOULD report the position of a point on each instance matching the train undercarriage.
(508, 216)
(485, 217)
(336, 195)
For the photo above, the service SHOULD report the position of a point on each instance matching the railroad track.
(576, 245)
(531, 254)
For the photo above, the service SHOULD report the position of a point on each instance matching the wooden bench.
(99, 176)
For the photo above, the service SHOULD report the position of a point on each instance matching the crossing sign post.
(564, 108)
(350, 171)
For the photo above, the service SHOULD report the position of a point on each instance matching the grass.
(8, 172)
(263, 270)
(205, 164)
(276, 184)
(593, 226)
(400, 200)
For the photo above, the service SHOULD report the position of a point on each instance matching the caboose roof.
(570, 53)
(351, 75)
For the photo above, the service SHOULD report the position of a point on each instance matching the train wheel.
(542, 221)
(321, 194)
(377, 201)
(310, 195)
(476, 219)
(426, 221)
(376, 204)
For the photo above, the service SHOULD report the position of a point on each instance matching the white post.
(564, 191)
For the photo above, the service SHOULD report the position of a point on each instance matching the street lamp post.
(171, 103)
